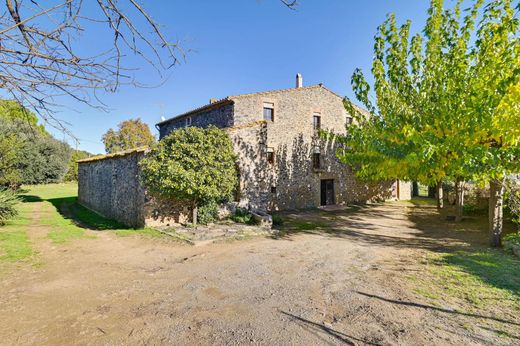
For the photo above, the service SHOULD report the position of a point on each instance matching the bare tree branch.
(291, 4)
(40, 62)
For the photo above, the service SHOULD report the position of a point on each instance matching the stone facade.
(276, 160)
(292, 180)
(111, 186)
(219, 114)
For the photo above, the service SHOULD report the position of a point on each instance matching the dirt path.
(346, 286)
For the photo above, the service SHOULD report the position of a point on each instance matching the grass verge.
(484, 279)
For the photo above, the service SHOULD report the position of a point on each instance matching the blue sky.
(241, 46)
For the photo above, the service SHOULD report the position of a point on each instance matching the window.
(316, 121)
(348, 121)
(270, 155)
(273, 189)
(268, 111)
(316, 160)
(187, 122)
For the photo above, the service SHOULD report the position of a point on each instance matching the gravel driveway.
(332, 277)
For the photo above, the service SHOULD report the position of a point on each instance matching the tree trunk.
(459, 203)
(195, 215)
(496, 200)
(440, 196)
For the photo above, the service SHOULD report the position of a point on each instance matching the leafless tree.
(40, 60)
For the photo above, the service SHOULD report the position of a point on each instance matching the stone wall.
(220, 115)
(292, 182)
(110, 186)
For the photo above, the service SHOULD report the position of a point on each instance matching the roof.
(229, 100)
(115, 155)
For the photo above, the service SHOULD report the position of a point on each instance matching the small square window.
(316, 121)
(316, 160)
(348, 121)
(273, 189)
(268, 111)
(270, 155)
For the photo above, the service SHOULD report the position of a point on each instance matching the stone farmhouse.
(283, 162)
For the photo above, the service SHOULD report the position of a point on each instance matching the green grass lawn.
(55, 206)
(14, 243)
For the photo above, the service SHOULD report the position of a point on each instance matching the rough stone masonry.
(283, 162)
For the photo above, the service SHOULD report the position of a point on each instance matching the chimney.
(299, 80)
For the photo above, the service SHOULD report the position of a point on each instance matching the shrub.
(208, 212)
(192, 164)
(513, 238)
(242, 216)
(472, 209)
(8, 202)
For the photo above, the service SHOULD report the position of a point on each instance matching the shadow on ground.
(70, 209)
(317, 328)
(417, 225)
(436, 308)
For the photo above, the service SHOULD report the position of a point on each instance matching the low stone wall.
(110, 186)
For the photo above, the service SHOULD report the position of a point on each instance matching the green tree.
(72, 170)
(493, 100)
(192, 164)
(12, 110)
(413, 133)
(37, 158)
(9, 160)
(438, 97)
(130, 134)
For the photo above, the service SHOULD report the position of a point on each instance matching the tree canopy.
(446, 100)
(130, 134)
(193, 164)
(28, 154)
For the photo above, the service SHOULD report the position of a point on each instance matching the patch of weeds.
(93, 219)
(15, 245)
(277, 220)
(243, 216)
(170, 234)
(307, 225)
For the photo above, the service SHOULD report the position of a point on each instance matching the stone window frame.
(316, 111)
(348, 120)
(272, 104)
(316, 125)
(188, 121)
(269, 155)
